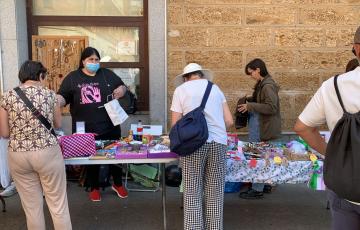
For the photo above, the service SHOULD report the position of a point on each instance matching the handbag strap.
(34, 111)
(206, 95)
(107, 84)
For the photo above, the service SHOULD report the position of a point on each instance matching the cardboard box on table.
(131, 152)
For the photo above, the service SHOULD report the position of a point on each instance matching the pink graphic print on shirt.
(90, 94)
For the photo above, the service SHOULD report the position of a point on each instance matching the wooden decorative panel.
(59, 54)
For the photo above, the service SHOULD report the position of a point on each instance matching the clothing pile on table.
(280, 153)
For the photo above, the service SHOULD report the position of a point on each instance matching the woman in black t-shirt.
(87, 89)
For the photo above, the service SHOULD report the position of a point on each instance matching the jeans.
(254, 127)
(254, 136)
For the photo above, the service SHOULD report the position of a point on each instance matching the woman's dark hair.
(199, 73)
(352, 64)
(257, 63)
(31, 70)
(87, 52)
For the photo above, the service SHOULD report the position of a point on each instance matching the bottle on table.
(139, 131)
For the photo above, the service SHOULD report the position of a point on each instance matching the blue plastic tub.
(231, 187)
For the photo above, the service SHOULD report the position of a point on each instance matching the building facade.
(303, 42)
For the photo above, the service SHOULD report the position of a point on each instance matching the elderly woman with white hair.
(204, 170)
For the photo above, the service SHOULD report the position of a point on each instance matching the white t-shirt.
(188, 96)
(325, 106)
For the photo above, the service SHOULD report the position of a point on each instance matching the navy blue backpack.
(191, 131)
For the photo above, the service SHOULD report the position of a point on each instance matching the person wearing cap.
(264, 115)
(324, 107)
(203, 172)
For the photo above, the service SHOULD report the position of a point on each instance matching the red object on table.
(253, 163)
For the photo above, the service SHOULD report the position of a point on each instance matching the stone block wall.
(303, 43)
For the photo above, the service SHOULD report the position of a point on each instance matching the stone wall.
(303, 43)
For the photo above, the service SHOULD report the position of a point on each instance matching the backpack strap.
(34, 111)
(338, 93)
(206, 95)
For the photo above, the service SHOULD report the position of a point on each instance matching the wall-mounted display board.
(59, 54)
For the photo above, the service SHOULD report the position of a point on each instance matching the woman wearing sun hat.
(203, 172)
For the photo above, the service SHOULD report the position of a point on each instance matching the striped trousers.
(203, 175)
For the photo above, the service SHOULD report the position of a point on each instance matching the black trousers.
(345, 215)
(114, 170)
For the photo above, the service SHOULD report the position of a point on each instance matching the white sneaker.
(9, 191)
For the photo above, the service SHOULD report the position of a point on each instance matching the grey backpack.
(342, 160)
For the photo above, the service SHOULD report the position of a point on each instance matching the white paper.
(116, 113)
(80, 127)
(4, 168)
(126, 48)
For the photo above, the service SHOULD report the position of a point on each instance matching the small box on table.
(160, 151)
(131, 151)
(162, 155)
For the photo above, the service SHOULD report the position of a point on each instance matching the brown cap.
(357, 36)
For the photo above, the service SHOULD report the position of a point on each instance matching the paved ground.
(290, 207)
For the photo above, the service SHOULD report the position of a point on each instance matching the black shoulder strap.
(108, 86)
(338, 93)
(34, 111)
(206, 95)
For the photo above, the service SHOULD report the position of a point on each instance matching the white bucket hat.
(192, 67)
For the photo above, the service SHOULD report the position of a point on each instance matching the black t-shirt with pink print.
(87, 95)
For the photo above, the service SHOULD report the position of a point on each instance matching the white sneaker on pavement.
(9, 191)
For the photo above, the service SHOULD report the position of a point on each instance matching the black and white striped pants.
(203, 174)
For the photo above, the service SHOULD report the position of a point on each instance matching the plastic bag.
(4, 167)
(116, 113)
(316, 181)
(296, 147)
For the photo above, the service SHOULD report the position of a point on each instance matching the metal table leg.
(163, 193)
(3, 203)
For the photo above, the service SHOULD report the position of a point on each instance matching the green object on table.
(302, 141)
